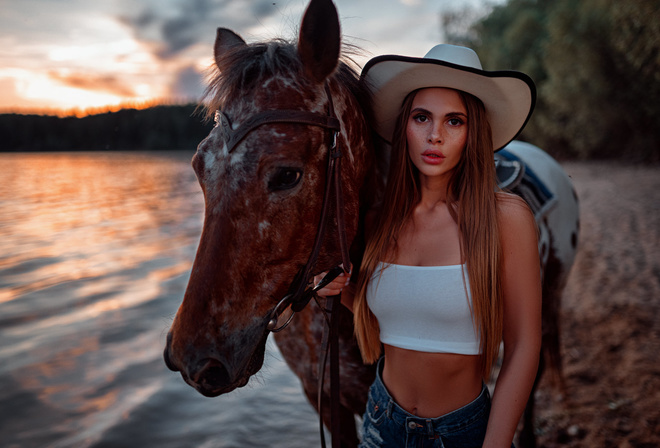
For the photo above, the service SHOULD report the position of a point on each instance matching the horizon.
(71, 57)
(78, 112)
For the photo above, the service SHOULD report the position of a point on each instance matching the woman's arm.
(521, 282)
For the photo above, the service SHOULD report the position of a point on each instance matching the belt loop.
(390, 405)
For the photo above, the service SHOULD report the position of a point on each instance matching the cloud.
(182, 31)
(87, 53)
(184, 23)
(10, 96)
(188, 84)
(99, 83)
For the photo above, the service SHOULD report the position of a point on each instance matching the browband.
(233, 137)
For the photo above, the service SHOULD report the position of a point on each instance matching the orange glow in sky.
(95, 74)
(69, 55)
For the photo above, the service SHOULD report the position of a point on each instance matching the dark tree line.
(596, 64)
(156, 128)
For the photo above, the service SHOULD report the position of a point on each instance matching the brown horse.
(264, 190)
(263, 201)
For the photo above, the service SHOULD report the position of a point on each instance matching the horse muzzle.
(210, 373)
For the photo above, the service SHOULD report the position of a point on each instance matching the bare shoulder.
(515, 218)
(512, 208)
(519, 245)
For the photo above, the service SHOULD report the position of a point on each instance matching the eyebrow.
(456, 114)
(427, 112)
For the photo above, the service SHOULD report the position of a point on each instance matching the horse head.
(263, 191)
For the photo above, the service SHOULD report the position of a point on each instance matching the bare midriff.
(430, 385)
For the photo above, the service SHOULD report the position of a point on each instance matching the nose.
(210, 377)
(166, 354)
(435, 133)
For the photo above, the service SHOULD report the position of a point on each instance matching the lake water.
(95, 254)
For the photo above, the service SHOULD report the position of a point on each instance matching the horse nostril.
(213, 374)
(166, 354)
(168, 362)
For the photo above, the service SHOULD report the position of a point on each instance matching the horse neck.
(362, 184)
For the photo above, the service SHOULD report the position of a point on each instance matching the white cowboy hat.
(508, 96)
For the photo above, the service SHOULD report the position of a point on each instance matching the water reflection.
(95, 253)
(73, 216)
(81, 238)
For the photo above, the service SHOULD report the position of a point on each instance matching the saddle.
(508, 171)
(516, 177)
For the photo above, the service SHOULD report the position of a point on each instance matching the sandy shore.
(610, 316)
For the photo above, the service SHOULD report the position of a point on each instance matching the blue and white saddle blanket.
(515, 176)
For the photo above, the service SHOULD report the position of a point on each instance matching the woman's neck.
(433, 191)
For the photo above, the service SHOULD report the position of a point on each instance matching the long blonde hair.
(472, 203)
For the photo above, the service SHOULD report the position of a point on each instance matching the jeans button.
(412, 425)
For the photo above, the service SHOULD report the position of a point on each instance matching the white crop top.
(423, 308)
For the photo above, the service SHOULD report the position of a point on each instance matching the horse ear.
(225, 40)
(319, 39)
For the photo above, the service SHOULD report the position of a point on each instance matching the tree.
(159, 127)
(596, 64)
(603, 86)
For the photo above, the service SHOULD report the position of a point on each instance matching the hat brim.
(508, 96)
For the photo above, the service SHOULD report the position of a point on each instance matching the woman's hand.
(333, 288)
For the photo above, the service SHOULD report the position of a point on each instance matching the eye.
(421, 118)
(455, 121)
(284, 178)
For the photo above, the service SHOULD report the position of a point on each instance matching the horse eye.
(284, 179)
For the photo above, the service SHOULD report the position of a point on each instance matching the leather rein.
(300, 293)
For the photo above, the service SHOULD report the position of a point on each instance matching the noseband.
(299, 294)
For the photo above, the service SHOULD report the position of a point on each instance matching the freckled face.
(436, 131)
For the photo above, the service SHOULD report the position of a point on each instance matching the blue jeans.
(387, 425)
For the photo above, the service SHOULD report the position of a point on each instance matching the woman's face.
(436, 131)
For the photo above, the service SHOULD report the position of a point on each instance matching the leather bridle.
(300, 293)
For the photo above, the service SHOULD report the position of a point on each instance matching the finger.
(340, 281)
(333, 288)
(318, 278)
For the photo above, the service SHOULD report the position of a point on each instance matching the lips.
(432, 157)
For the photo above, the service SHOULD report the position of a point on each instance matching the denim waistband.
(445, 424)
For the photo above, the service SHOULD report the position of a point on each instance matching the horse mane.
(247, 67)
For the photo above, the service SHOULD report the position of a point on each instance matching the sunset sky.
(59, 56)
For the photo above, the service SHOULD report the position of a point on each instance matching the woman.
(451, 268)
